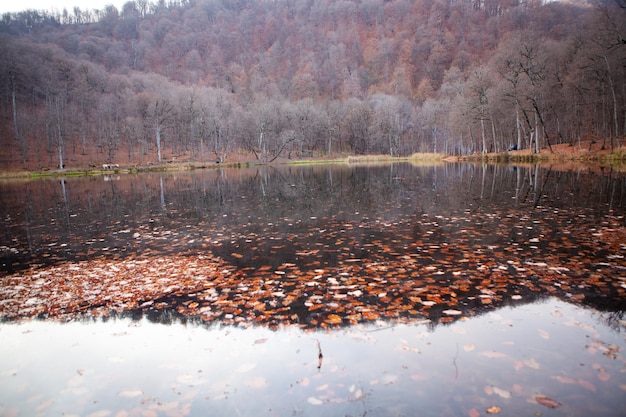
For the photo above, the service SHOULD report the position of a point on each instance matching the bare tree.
(161, 112)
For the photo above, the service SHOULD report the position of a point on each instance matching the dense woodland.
(205, 80)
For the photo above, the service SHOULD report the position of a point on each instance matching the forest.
(207, 80)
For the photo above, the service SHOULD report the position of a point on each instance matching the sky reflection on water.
(504, 358)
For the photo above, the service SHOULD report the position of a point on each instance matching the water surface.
(506, 358)
(335, 290)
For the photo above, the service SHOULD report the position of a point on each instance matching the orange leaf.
(333, 319)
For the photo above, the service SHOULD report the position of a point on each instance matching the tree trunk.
(482, 132)
(536, 131)
(493, 132)
(517, 126)
(158, 142)
(616, 128)
(59, 110)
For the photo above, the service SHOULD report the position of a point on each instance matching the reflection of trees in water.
(169, 316)
(612, 319)
(190, 212)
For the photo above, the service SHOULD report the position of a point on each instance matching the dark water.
(430, 291)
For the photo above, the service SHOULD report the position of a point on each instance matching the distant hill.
(201, 80)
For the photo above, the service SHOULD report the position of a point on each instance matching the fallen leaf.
(469, 347)
(531, 363)
(501, 392)
(564, 379)
(246, 367)
(130, 393)
(257, 382)
(389, 379)
(493, 410)
(101, 413)
(458, 330)
(315, 401)
(547, 401)
(493, 354)
(543, 334)
(587, 384)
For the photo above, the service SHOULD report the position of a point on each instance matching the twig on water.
(320, 356)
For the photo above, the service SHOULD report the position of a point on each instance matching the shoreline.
(557, 154)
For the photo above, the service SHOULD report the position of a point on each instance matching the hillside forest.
(207, 80)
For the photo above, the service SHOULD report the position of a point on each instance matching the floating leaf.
(547, 401)
(130, 393)
(246, 367)
(452, 312)
(101, 413)
(531, 363)
(493, 410)
(586, 384)
(501, 392)
(390, 379)
(494, 354)
(564, 380)
(257, 382)
(543, 334)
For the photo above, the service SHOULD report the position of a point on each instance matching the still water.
(336, 290)
(505, 358)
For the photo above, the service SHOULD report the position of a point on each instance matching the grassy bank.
(617, 157)
(588, 152)
(424, 157)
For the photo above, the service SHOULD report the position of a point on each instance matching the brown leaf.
(473, 413)
(547, 401)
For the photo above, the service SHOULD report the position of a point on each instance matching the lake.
(390, 290)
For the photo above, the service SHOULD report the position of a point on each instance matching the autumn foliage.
(204, 80)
